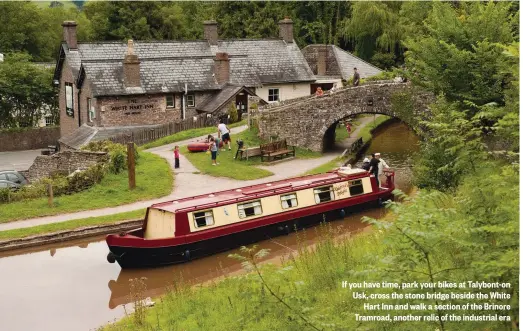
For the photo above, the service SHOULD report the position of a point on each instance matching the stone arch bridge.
(311, 122)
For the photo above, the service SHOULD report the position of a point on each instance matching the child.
(214, 150)
(176, 157)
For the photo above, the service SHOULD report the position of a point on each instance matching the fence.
(144, 136)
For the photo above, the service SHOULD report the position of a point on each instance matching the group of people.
(355, 82)
(214, 144)
(375, 166)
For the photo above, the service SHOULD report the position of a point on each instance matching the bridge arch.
(306, 122)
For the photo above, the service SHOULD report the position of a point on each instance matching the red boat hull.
(131, 251)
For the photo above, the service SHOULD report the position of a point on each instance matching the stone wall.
(305, 123)
(31, 138)
(142, 110)
(66, 162)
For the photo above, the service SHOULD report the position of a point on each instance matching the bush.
(117, 154)
(76, 182)
(233, 113)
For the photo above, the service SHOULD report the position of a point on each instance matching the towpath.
(187, 176)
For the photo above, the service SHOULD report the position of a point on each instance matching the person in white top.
(382, 164)
(223, 133)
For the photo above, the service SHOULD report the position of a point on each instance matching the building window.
(169, 100)
(249, 209)
(355, 187)
(49, 120)
(323, 194)
(274, 94)
(69, 104)
(289, 201)
(90, 110)
(191, 100)
(203, 218)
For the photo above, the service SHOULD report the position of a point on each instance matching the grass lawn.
(229, 167)
(188, 134)
(241, 170)
(154, 179)
(70, 225)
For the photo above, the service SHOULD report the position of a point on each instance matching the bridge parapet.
(310, 122)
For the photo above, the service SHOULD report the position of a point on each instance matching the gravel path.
(186, 177)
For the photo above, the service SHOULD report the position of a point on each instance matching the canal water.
(71, 286)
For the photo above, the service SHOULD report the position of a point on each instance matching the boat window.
(355, 187)
(249, 209)
(289, 200)
(323, 194)
(203, 218)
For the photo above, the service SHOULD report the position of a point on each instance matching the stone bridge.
(311, 122)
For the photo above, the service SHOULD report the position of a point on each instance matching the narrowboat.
(188, 228)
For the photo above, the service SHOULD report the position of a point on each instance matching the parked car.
(13, 176)
(8, 184)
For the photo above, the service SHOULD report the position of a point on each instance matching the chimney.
(286, 30)
(131, 67)
(210, 31)
(69, 28)
(222, 67)
(321, 61)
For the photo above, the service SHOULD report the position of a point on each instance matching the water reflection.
(214, 267)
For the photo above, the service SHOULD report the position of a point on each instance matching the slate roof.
(165, 66)
(85, 134)
(340, 63)
(216, 101)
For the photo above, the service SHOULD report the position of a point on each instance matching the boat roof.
(247, 193)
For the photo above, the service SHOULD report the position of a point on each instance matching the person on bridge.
(356, 78)
(374, 168)
(319, 92)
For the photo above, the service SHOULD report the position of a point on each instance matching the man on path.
(223, 134)
(374, 168)
(356, 78)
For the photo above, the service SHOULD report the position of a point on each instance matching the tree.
(25, 91)
(460, 55)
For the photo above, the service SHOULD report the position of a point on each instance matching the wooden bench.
(246, 153)
(276, 149)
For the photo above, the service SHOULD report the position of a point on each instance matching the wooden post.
(50, 194)
(130, 165)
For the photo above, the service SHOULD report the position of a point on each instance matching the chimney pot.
(210, 31)
(131, 67)
(222, 67)
(69, 29)
(286, 29)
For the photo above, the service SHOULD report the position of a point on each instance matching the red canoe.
(200, 146)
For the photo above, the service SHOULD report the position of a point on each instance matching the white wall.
(287, 91)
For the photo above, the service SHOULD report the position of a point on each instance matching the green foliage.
(459, 55)
(117, 154)
(40, 34)
(452, 147)
(374, 25)
(233, 113)
(25, 89)
(383, 61)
